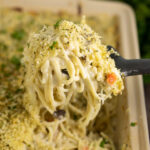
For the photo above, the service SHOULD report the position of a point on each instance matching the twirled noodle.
(66, 84)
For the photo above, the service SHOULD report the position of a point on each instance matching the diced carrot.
(33, 13)
(111, 78)
(85, 148)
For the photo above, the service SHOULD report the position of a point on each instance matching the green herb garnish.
(133, 124)
(20, 49)
(1, 124)
(32, 21)
(7, 74)
(75, 117)
(18, 90)
(16, 61)
(103, 142)
(2, 31)
(8, 95)
(53, 44)
(28, 45)
(3, 67)
(12, 107)
(9, 107)
(18, 34)
(56, 25)
(3, 46)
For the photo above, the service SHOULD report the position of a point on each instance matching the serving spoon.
(132, 66)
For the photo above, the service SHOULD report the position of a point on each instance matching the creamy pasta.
(67, 68)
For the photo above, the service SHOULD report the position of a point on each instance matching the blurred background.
(142, 12)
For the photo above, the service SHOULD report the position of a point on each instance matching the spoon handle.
(130, 67)
(134, 66)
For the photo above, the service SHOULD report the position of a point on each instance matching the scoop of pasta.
(69, 75)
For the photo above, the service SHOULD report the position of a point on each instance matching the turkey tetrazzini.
(69, 75)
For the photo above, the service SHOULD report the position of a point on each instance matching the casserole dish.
(131, 106)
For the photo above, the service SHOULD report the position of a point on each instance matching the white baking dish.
(136, 137)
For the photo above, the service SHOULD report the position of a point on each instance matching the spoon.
(132, 66)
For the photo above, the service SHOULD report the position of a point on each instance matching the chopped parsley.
(8, 95)
(32, 21)
(7, 74)
(28, 45)
(18, 90)
(56, 25)
(3, 66)
(20, 49)
(103, 142)
(12, 107)
(133, 124)
(18, 34)
(1, 124)
(3, 46)
(2, 31)
(9, 107)
(16, 61)
(53, 44)
(75, 117)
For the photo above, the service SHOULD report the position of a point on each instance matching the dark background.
(142, 12)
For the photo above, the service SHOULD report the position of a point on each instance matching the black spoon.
(132, 66)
